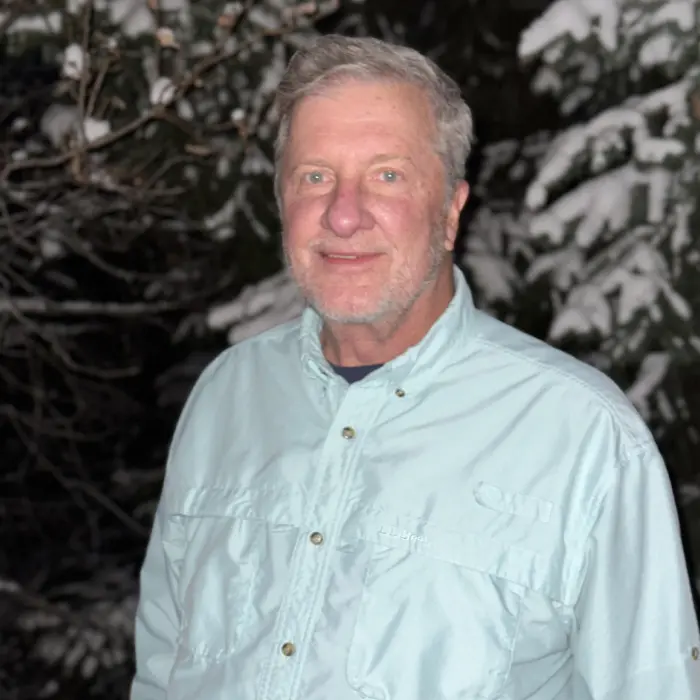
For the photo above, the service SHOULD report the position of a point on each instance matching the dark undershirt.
(354, 374)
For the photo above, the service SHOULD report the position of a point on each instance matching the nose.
(346, 212)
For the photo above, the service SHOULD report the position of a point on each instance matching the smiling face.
(366, 229)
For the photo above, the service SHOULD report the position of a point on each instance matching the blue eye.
(315, 177)
(389, 175)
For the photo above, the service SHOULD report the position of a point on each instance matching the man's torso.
(411, 536)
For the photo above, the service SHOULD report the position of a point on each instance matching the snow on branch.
(567, 20)
(610, 208)
(271, 302)
(581, 45)
(614, 157)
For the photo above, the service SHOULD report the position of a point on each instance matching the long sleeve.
(157, 624)
(637, 628)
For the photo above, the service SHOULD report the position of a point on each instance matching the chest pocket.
(440, 611)
(228, 554)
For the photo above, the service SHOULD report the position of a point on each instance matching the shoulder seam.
(634, 445)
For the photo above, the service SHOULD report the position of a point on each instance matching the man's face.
(366, 229)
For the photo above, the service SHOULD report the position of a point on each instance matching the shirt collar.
(452, 328)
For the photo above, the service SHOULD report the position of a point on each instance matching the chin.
(354, 319)
(351, 313)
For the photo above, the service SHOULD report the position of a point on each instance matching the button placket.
(338, 460)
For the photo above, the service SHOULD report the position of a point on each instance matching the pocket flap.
(513, 502)
(272, 505)
(546, 570)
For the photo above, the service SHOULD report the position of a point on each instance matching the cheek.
(406, 224)
(300, 223)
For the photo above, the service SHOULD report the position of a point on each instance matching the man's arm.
(157, 621)
(157, 624)
(637, 636)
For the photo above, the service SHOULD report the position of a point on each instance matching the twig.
(61, 159)
(36, 306)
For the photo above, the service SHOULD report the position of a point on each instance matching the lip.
(348, 259)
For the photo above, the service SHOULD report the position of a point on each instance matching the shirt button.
(400, 393)
(695, 653)
(348, 433)
(316, 538)
(288, 649)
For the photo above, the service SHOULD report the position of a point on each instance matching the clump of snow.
(134, 17)
(74, 62)
(73, 7)
(221, 221)
(166, 37)
(162, 91)
(587, 310)
(275, 300)
(95, 129)
(50, 247)
(489, 266)
(19, 124)
(572, 19)
(230, 14)
(61, 123)
(49, 23)
(58, 122)
(656, 50)
(185, 110)
(264, 18)
(651, 375)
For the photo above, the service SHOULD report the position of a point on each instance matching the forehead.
(363, 112)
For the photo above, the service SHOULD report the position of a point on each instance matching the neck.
(355, 345)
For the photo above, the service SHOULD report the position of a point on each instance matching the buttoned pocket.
(226, 588)
(435, 620)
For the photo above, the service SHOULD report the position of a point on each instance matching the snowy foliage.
(261, 306)
(498, 249)
(74, 62)
(593, 231)
(612, 208)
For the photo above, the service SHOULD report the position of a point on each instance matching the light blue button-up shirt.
(483, 517)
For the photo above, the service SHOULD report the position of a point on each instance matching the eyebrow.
(313, 163)
(382, 157)
(379, 158)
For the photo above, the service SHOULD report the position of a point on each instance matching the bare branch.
(97, 144)
(44, 307)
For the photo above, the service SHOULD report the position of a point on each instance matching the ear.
(459, 199)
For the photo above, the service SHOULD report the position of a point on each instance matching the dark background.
(100, 343)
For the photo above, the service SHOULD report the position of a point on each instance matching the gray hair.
(332, 58)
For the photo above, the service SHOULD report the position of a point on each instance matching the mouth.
(349, 258)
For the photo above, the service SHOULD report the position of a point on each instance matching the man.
(398, 497)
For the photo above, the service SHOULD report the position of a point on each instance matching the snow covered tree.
(615, 199)
(609, 219)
